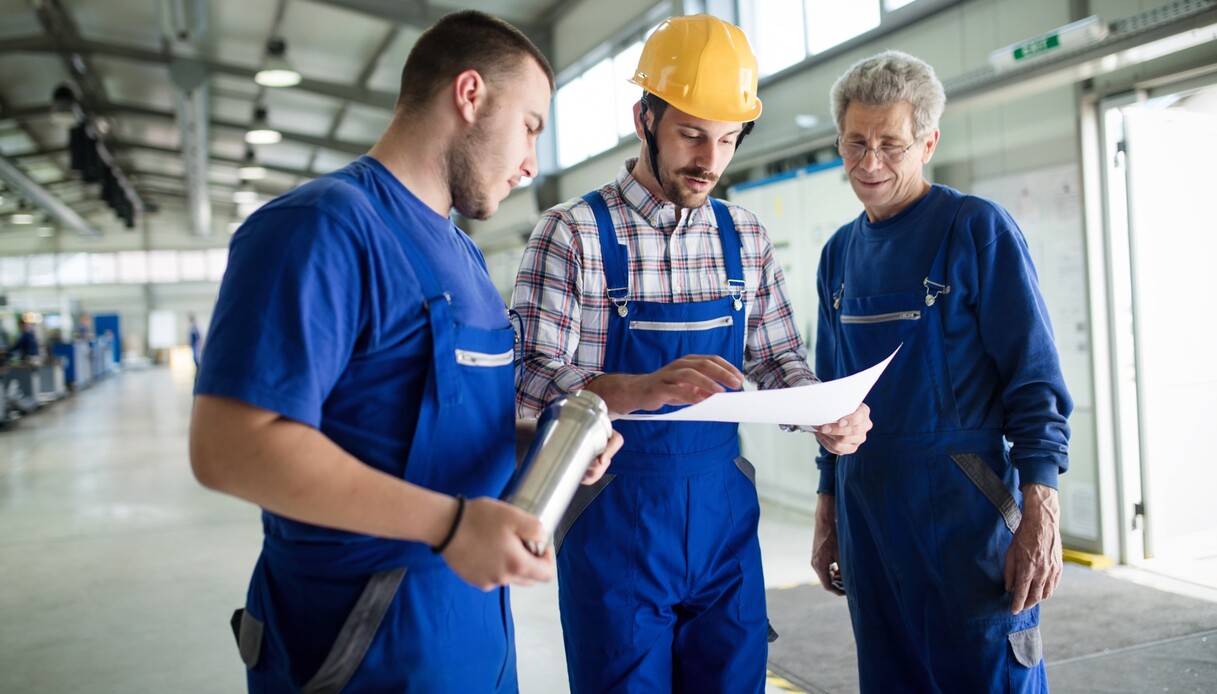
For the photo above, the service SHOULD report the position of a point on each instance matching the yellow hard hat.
(702, 66)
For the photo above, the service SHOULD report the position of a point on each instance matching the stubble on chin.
(469, 195)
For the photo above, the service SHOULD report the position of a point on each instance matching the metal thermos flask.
(571, 432)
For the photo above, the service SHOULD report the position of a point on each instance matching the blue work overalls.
(659, 569)
(377, 615)
(925, 515)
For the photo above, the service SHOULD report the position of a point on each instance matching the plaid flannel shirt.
(560, 291)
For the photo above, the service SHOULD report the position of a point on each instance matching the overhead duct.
(183, 22)
(193, 114)
(35, 193)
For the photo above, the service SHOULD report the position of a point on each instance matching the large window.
(775, 30)
(625, 93)
(73, 268)
(586, 111)
(42, 271)
(103, 268)
(193, 265)
(217, 262)
(593, 110)
(132, 267)
(162, 267)
(831, 22)
(125, 267)
(784, 32)
(12, 271)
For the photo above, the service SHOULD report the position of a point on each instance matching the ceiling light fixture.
(250, 171)
(64, 111)
(806, 120)
(260, 132)
(21, 218)
(245, 194)
(244, 209)
(277, 72)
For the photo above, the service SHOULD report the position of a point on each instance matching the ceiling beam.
(302, 138)
(60, 29)
(85, 47)
(16, 179)
(288, 170)
(118, 108)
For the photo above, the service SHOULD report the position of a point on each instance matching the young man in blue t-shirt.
(359, 384)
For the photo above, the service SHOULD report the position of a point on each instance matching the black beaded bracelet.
(460, 511)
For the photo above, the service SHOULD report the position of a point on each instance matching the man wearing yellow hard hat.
(652, 294)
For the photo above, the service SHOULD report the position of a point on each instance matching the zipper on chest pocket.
(683, 326)
(467, 358)
(881, 318)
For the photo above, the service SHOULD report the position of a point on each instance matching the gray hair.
(887, 78)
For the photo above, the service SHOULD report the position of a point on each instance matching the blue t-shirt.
(320, 316)
(1004, 368)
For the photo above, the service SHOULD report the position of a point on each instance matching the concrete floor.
(118, 571)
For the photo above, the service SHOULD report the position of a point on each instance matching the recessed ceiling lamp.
(250, 171)
(22, 215)
(806, 120)
(244, 209)
(260, 132)
(245, 194)
(64, 111)
(277, 72)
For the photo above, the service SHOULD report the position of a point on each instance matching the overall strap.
(935, 281)
(617, 260)
(731, 242)
(436, 301)
(616, 257)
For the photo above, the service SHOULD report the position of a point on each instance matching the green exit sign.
(1037, 47)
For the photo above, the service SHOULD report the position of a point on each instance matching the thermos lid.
(595, 405)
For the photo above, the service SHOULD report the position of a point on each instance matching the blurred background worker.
(651, 294)
(196, 341)
(26, 347)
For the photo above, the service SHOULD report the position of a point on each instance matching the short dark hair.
(655, 105)
(459, 41)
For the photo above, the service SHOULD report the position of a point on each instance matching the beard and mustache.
(677, 194)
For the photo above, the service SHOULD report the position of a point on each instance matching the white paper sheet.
(809, 405)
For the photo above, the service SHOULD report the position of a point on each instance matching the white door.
(1170, 152)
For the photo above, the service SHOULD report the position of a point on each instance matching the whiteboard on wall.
(162, 329)
(800, 211)
(1047, 206)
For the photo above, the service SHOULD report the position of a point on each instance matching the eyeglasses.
(888, 154)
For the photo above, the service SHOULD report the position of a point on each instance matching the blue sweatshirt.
(1004, 367)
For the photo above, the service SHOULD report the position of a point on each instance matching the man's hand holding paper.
(833, 409)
